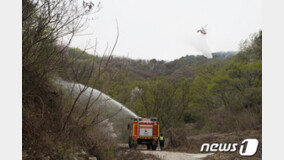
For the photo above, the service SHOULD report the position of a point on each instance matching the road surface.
(165, 155)
(168, 155)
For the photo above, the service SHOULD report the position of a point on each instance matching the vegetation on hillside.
(202, 95)
(220, 96)
(190, 95)
(53, 125)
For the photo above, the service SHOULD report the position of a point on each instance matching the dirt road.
(165, 155)
(168, 155)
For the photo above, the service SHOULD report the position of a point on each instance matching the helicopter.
(202, 30)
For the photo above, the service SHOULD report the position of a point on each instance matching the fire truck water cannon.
(144, 131)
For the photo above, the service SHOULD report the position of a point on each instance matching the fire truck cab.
(143, 131)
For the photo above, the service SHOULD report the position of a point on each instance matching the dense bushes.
(193, 93)
(222, 95)
(47, 132)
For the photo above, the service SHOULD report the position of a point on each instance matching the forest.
(222, 94)
(190, 96)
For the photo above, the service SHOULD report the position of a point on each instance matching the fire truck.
(143, 131)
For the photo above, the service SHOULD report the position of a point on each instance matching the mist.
(198, 43)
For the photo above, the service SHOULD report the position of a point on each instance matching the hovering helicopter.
(202, 30)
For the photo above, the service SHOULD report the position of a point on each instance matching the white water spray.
(118, 114)
(99, 98)
(199, 44)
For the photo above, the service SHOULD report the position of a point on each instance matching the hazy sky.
(164, 29)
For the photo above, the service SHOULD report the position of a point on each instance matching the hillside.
(212, 95)
(143, 69)
(190, 96)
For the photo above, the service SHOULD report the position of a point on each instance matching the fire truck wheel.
(148, 146)
(154, 147)
(129, 143)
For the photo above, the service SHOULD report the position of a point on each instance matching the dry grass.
(43, 137)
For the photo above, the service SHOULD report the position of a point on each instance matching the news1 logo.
(248, 147)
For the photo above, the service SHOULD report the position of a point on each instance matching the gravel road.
(165, 155)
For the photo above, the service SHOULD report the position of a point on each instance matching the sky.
(166, 29)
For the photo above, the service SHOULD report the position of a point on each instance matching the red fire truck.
(144, 131)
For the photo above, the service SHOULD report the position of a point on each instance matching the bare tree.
(93, 76)
(48, 29)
